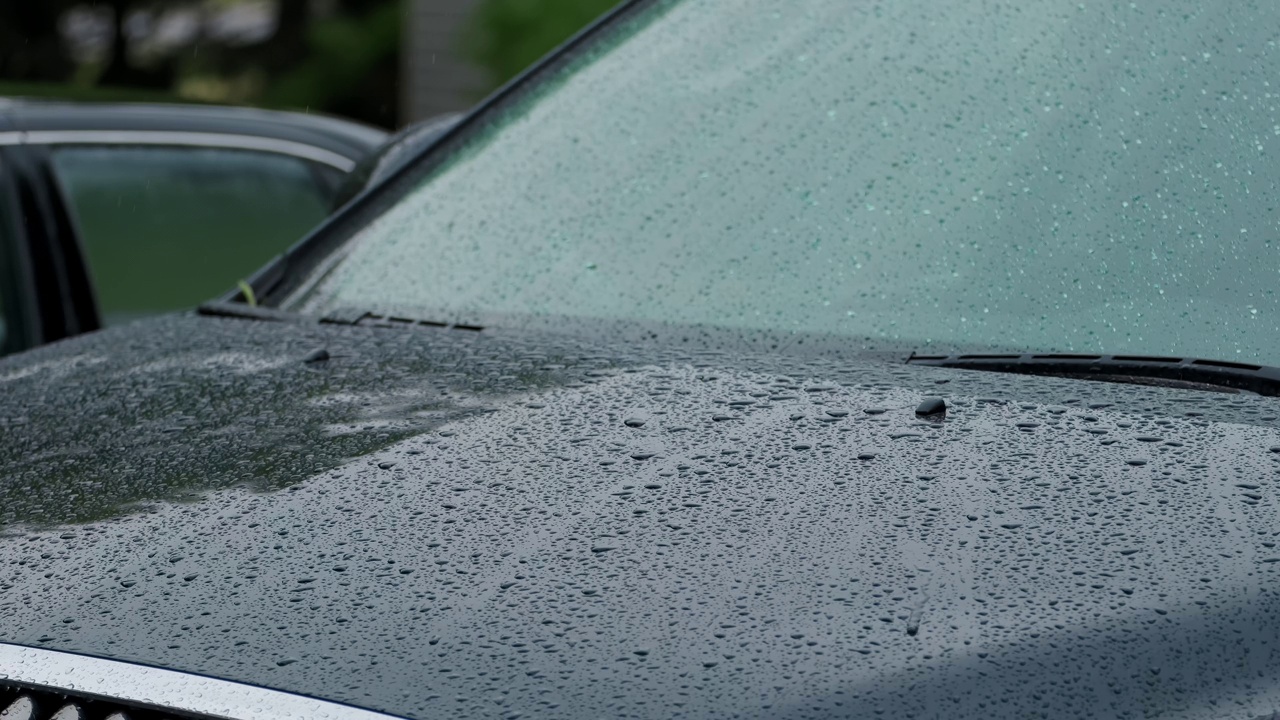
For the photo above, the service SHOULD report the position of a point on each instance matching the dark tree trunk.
(115, 70)
(118, 71)
(289, 44)
(286, 47)
(31, 47)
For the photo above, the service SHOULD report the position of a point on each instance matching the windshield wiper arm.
(1183, 372)
(345, 316)
(222, 308)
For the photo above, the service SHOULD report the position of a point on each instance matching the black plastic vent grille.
(360, 317)
(28, 704)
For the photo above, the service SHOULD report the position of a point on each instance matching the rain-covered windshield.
(1087, 177)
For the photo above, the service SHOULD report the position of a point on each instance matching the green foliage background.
(351, 64)
(343, 61)
(505, 36)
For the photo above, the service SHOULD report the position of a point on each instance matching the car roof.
(349, 139)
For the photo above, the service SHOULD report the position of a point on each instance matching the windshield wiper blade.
(1181, 372)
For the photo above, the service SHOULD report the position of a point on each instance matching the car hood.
(436, 523)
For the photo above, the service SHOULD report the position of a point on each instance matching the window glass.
(1008, 174)
(169, 227)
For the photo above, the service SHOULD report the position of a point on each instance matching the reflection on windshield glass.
(1058, 176)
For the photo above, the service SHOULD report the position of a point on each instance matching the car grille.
(28, 704)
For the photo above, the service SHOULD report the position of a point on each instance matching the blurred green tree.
(506, 36)
(339, 56)
(350, 65)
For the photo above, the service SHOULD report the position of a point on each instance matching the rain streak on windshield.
(1092, 177)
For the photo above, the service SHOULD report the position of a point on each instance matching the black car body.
(94, 195)
(578, 529)
(449, 508)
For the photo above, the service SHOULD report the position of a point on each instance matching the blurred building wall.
(435, 78)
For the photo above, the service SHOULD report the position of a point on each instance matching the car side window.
(165, 228)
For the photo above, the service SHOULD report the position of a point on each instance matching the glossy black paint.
(443, 523)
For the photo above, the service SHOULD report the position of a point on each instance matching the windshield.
(1092, 177)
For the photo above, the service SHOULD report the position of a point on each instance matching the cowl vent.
(38, 684)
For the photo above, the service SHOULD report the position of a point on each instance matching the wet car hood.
(437, 523)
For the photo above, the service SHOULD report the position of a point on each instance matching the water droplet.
(931, 406)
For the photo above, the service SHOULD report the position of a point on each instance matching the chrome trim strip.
(171, 137)
(128, 683)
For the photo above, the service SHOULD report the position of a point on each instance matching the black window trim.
(18, 307)
(58, 297)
